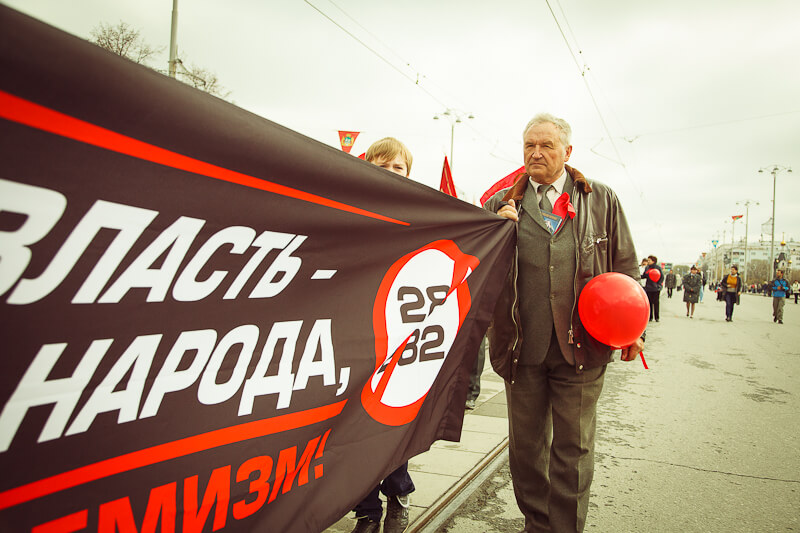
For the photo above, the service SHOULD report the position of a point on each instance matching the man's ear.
(568, 151)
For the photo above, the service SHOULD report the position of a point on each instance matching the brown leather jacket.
(603, 244)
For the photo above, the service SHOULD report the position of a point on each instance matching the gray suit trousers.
(552, 419)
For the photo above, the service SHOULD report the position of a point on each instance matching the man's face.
(545, 155)
(780, 274)
(396, 165)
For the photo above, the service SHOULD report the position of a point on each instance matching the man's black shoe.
(365, 525)
(396, 514)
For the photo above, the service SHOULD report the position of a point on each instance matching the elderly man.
(553, 368)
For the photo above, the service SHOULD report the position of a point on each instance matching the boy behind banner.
(391, 154)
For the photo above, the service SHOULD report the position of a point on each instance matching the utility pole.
(173, 41)
(746, 205)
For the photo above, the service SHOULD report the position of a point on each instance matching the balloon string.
(641, 354)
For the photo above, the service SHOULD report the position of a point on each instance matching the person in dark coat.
(669, 282)
(653, 284)
(692, 283)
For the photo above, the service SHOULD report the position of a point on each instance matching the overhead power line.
(368, 47)
(418, 78)
(709, 125)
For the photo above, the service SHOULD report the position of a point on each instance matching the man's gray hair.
(560, 123)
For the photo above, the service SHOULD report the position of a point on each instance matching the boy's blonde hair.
(388, 148)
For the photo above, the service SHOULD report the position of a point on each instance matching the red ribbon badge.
(563, 206)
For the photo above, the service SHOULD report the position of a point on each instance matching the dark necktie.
(544, 203)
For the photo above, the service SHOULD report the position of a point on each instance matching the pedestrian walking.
(654, 278)
(731, 285)
(554, 376)
(692, 283)
(796, 290)
(669, 282)
(780, 288)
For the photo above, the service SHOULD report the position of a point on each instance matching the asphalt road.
(706, 440)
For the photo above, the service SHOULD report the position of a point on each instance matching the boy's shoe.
(396, 514)
(365, 525)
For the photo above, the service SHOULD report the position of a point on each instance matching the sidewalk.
(436, 471)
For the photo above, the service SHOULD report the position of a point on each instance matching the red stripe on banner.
(42, 118)
(166, 452)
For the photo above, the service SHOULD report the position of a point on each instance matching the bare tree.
(126, 41)
(758, 271)
(201, 78)
(123, 40)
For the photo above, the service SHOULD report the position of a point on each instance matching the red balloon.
(654, 274)
(614, 309)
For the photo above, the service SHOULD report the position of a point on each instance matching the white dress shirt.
(555, 192)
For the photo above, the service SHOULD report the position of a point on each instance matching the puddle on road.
(701, 363)
(767, 395)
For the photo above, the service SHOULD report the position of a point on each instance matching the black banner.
(211, 322)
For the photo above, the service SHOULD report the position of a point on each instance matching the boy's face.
(397, 165)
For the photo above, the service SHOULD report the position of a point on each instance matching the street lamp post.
(774, 169)
(173, 40)
(454, 116)
(746, 205)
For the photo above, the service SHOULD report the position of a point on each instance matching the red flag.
(363, 156)
(508, 181)
(347, 139)
(736, 217)
(447, 186)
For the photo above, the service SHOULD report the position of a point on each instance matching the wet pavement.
(706, 440)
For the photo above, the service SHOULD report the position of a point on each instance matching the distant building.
(720, 259)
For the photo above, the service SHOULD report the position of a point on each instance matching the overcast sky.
(675, 104)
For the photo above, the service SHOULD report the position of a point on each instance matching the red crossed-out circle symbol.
(420, 306)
